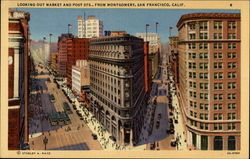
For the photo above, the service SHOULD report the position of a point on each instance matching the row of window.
(204, 46)
(204, 96)
(192, 36)
(216, 25)
(204, 106)
(216, 126)
(217, 65)
(217, 55)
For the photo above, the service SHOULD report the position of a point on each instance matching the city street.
(59, 138)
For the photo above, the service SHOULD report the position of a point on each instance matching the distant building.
(89, 28)
(19, 58)
(209, 79)
(80, 77)
(118, 33)
(46, 51)
(117, 92)
(173, 57)
(54, 63)
(62, 54)
(154, 48)
(78, 50)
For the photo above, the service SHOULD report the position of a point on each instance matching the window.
(192, 84)
(231, 65)
(217, 106)
(231, 75)
(191, 55)
(217, 25)
(217, 45)
(217, 55)
(218, 96)
(191, 36)
(203, 55)
(231, 36)
(192, 46)
(203, 46)
(218, 65)
(192, 75)
(217, 116)
(231, 96)
(204, 96)
(203, 35)
(218, 86)
(192, 65)
(231, 45)
(191, 26)
(203, 106)
(203, 75)
(231, 126)
(231, 106)
(231, 85)
(231, 55)
(204, 86)
(191, 113)
(202, 116)
(217, 35)
(231, 25)
(217, 126)
(203, 65)
(218, 75)
(203, 25)
(231, 116)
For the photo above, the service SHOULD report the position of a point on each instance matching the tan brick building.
(209, 79)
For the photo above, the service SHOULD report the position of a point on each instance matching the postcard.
(124, 79)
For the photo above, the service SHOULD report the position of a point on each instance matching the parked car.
(112, 138)
(94, 136)
(173, 142)
(152, 146)
(170, 120)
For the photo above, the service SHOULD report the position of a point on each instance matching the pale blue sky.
(45, 21)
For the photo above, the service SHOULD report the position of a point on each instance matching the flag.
(147, 25)
(70, 26)
(171, 28)
(157, 23)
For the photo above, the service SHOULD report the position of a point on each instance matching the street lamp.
(45, 141)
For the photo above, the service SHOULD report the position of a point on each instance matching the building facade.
(117, 92)
(154, 51)
(62, 54)
(89, 28)
(80, 76)
(18, 79)
(173, 57)
(77, 49)
(209, 79)
(53, 62)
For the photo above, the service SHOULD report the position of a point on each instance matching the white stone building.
(89, 28)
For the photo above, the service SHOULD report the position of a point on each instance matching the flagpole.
(156, 27)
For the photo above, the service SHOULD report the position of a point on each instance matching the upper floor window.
(203, 25)
(191, 26)
(203, 35)
(217, 25)
(231, 25)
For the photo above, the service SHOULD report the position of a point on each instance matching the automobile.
(152, 146)
(171, 113)
(171, 131)
(74, 106)
(67, 108)
(159, 116)
(81, 118)
(171, 126)
(112, 138)
(26, 146)
(176, 121)
(94, 136)
(173, 142)
(157, 124)
(170, 120)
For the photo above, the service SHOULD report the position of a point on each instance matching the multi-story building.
(209, 79)
(46, 52)
(89, 28)
(173, 57)
(117, 90)
(62, 54)
(18, 79)
(77, 49)
(80, 77)
(154, 51)
(53, 62)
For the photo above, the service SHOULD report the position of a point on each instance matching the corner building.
(209, 79)
(117, 92)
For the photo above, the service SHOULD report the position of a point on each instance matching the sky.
(47, 20)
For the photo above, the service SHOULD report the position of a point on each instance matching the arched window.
(231, 143)
(218, 143)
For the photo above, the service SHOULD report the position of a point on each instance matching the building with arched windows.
(117, 93)
(209, 79)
